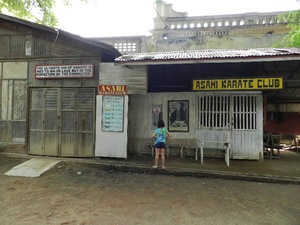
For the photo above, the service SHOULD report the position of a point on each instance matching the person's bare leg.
(156, 157)
(162, 152)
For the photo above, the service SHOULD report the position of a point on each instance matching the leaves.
(292, 39)
(39, 11)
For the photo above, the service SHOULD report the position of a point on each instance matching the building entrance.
(61, 121)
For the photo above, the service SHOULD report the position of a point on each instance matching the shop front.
(214, 100)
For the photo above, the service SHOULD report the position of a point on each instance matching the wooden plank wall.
(140, 119)
(245, 144)
(135, 78)
(13, 104)
(89, 82)
(17, 41)
(21, 49)
(15, 79)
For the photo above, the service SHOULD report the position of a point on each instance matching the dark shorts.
(160, 145)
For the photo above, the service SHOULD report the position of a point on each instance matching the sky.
(108, 18)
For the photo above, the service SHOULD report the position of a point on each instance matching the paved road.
(73, 193)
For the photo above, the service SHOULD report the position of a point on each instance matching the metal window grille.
(214, 111)
(244, 112)
(227, 112)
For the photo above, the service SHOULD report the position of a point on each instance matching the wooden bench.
(203, 146)
(181, 147)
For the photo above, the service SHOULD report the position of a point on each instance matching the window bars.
(236, 112)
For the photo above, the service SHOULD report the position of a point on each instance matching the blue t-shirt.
(160, 135)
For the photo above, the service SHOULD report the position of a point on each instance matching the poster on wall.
(178, 116)
(113, 113)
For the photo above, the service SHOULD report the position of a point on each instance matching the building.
(176, 31)
(224, 94)
(49, 80)
(48, 86)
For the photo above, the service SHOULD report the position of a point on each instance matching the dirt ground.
(74, 193)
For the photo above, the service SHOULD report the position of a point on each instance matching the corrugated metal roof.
(212, 54)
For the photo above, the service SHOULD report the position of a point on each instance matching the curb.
(196, 173)
(174, 171)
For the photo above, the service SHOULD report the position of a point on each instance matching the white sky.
(105, 18)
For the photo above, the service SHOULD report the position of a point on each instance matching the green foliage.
(292, 39)
(39, 11)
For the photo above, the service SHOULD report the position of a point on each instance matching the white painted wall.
(110, 144)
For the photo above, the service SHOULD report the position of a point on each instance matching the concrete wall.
(283, 118)
(213, 42)
(293, 108)
(286, 123)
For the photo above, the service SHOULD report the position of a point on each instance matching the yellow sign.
(238, 84)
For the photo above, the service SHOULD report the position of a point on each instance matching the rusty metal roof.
(211, 56)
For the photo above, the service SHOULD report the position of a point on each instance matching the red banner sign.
(112, 89)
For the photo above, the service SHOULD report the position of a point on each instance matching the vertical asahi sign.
(113, 106)
(64, 71)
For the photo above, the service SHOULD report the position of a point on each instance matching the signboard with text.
(64, 71)
(113, 113)
(112, 89)
(238, 84)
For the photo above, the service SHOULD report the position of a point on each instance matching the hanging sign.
(112, 89)
(112, 113)
(64, 71)
(156, 109)
(238, 84)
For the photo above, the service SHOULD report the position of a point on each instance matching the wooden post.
(201, 152)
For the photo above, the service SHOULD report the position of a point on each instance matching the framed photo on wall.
(178, 115)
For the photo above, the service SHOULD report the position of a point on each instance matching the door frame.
(58, 152)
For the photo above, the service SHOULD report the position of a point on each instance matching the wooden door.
(86, 121)
(43, 124)
(247, 128)
(62, 121)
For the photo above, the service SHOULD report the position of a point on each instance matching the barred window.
(126, 46)
(227, 112)
(214, 111)
(244, 112)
